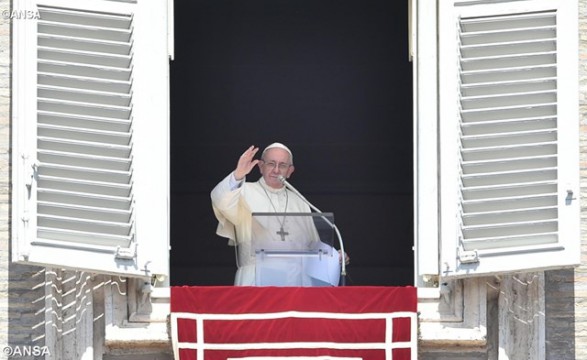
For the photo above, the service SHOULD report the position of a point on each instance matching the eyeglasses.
(272, 164)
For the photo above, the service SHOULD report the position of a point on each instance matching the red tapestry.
(219, 323)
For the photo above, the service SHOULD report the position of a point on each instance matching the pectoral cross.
(282, 233)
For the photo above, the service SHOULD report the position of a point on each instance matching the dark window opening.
(330, 79)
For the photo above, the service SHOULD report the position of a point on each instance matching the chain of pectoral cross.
(282, 233)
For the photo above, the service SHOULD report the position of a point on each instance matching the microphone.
(286, 183)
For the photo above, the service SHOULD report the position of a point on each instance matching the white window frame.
(150, 143)
(425, 108)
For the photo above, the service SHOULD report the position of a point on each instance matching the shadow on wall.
(64, 314)
(52, 313)
(26, 311)
(559, 294)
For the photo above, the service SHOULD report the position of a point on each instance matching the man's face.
(275, 162)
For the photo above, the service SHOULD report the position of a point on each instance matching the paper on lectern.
(324, 270)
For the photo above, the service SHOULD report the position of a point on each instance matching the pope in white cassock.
(234, 201)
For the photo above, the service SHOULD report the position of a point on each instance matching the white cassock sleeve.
(226, 205)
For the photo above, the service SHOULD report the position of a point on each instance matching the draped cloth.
(233, 209)
(232, 322)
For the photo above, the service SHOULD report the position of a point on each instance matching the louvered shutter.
(94, 158)
(508, 135)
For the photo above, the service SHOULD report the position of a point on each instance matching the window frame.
(425, 102)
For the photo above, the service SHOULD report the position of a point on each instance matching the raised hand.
(246, 163)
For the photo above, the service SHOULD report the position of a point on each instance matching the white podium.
(294, 249)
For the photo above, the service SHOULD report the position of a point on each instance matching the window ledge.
(453, 314)
(428, 293)
(437, 335)
(138, 335)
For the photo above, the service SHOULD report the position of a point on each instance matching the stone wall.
(577, 295)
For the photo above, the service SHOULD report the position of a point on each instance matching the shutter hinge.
(31, 170)
(468, 257)
(570, 197)
(25, 218)
(129, 253)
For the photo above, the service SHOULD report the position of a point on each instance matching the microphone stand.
(343, 260)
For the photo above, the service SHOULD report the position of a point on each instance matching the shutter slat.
(509, 216)
(83, 122)
(538, 109)
(85, 212)
(507, 125)
(79, 238)
(507, 87)
(84, 31)
(508, 191)
(84, 199)
(508, 62)
(98, 72)
(509, 203)
(507, 100)
(109, 48)
(509, 165)
(509, 48)
(512, 241)
(77, 224)
(508, 74)
(107, 138)
(84, 109)
(82, 160)
(87, 187)
(509, 112)
(84, 57)
(506, 36)
(509, 177)
(498, 23)
(87, 83)
(84, 96)
(86, 18)
(73, 147)
(510, 229)
(85, 173)
(509, 138)
(508, 152)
